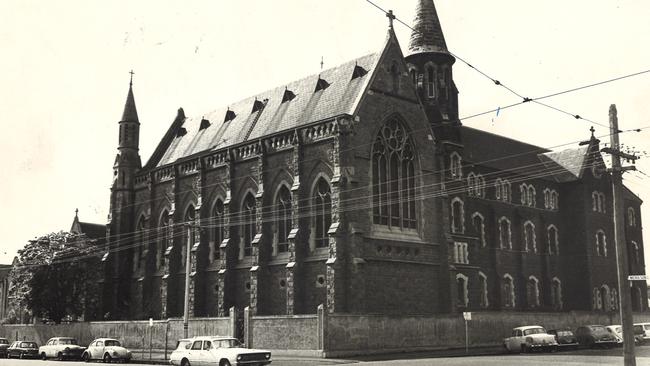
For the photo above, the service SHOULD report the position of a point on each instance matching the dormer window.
(288, 96)
(321, 84)
(257, 106)
(358, 72)
(230, 115)
(204, 124)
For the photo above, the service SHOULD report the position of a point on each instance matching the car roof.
(104, 339)
(529, 327)
(61, 338)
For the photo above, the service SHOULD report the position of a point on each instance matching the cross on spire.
(390, 17)
(592, 129)
(131, 81)
(321, 62)
(76, 212)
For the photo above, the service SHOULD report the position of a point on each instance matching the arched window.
(461, 290)
(601, 243)
(218, 230)
(457, 216)
(532, 199)
(598, 201)
(555, 200)
(532, 292)
(556, 293)
(506, 191)
(322, 213)
(631, 216)
(283, 222)
(479, 226)
(523, 193)
(163, 234)
(547, 198)
(603, 300)
(393, 175)
(483, 290)
(188, 235)
(480, 183)
(498, 188)
(508, 291)
(455, 166)
(248, 225)
(414, 77)
(530, 239)
(614, 300)
(431, 81)
(553, 240)
(505, 233)
(471, 184)
(138, 250)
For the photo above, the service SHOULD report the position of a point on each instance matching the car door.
(194, 354)
(206, 356)
(51, 350)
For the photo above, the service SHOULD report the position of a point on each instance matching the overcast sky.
(64, 78)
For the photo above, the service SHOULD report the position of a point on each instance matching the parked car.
(594, 336)
(530, 338)
(181, 351)
(4, 344)
(564, 338)
(222, 351)
(646, 330)
(639, 334)
(61, 348)
(106, 349)
(616, 331)
(23, 349)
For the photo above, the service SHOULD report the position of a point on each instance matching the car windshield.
(67, 341)
(182, 344)
(534, 331)
(28, 345)
(565, 333)
(111, 343)
(226, 343)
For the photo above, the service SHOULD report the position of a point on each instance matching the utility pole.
(619, 237)
(186, 311)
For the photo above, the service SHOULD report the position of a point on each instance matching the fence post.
(248, 337)
(232, 313)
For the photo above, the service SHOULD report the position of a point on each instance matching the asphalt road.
(572, 358)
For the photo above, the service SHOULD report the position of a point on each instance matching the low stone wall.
(322, 334)
(369, 334)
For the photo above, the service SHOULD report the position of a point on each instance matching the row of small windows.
(527, 194)
(604, 299)
(551, 199)
(321, 207)
(475, 185)
(436, 79)
(508, 297)
(505, 230)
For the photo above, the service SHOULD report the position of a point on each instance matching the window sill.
(387, 233)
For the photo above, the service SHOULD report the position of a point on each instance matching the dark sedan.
(4, 344)
(565, 338)
(594, 336)
(23, 349)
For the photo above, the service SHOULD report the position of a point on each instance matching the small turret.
(127, 161)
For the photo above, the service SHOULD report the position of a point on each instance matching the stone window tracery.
(163, 228)
(479, 226)
(455, 166)
(322, 213)
(502, 190)
(283, 223)
(505, 233)
(553, 240)
(248, 225)
(457, 216)
(601, 243)
(530, 239)
(393, 175)
(218, 230)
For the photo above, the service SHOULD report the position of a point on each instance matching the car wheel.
(107, 358)
(85, 357)
(185, 362)
(224, 363)
(59, 356)
(43, 357)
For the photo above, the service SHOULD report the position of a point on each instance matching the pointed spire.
(130, 112)
(427, 33)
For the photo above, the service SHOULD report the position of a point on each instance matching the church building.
(360, 189)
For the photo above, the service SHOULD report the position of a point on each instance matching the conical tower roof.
(427, 34)
(130, 112)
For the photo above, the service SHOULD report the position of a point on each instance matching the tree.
(56, 277)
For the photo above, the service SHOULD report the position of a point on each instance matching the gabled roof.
(244, 122)
(92, 231)
(568, 163)
(629, 195)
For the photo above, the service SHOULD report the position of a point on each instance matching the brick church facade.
(359, 189)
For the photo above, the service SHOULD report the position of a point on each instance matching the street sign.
(467, 315)
(637, 277)
(151, 322)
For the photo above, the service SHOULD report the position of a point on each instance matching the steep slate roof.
(130, 113)
(427, 33)
(307, 106)
(92, 231)
(502, 153)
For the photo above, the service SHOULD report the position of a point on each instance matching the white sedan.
(221, 351)
(529, 338)
(107, 350)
